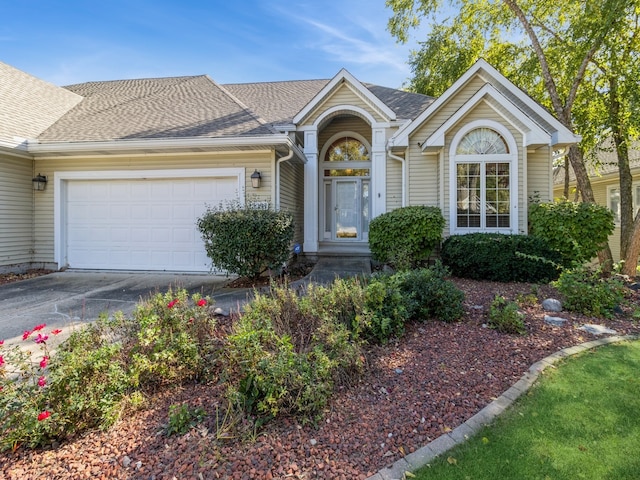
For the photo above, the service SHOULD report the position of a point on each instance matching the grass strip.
(579, 421)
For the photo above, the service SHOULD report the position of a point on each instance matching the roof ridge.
(176, 77)
(241, 104)
(278, 81)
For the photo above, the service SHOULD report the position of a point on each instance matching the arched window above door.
(482, 141)
(347, 149)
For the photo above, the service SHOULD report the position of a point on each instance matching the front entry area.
(346, 181)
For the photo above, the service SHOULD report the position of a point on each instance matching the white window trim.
(635, 199)
(511, 158)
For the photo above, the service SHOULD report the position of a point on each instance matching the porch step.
(327, 269)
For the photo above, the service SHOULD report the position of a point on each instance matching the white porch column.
(378, 171)
(311, 207)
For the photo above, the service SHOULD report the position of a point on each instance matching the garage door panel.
(140, 224)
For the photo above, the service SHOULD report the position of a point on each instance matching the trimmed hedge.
(501, 258)
(405, 237)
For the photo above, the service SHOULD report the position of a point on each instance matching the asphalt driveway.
(66, 299)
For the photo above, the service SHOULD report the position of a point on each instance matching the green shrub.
(427, 294)
(101, 370)
(385, 312)
(182, 418)
(575, 229)
(286, 353)
(405, 237)
(505, 317)
(246, 240)
(501, 258)
(587, 292)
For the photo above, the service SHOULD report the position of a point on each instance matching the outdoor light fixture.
(39, 182)
(255, 179)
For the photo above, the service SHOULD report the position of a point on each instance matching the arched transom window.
(484, 166)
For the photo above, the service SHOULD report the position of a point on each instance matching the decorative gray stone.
(221, 312)
(596, 329)
(555, 321)
(552, 305)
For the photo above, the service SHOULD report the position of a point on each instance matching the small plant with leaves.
(588, 292)
(505, 317)
(27, 418)
(183, 418)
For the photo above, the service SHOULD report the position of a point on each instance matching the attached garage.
(138, 220)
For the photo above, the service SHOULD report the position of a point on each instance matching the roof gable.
(29, 105)
(339, 81)
(510, 96)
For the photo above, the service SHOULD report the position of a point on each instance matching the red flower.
(42, 381)
(202, 302)
(44, 362)
(41, 338)
(56, 331)
(44, 415)
(26, 334)
(1, 342)
(172, 303)
(1, 360)
(39, 327)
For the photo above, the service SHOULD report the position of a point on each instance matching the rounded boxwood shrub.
(246, 240)
(501, 258)
(405, 237)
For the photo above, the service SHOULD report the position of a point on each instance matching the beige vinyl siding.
(343, 124)
(447, 110)
(539, 174)
(421, 191)
(343, 96)
(44, 205)
(16, 211)
(394, 184)
(292, 195)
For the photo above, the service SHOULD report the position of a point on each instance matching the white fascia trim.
(160, 144)
(562, 135)
(536, 135)
(60, 192)
(360, 90)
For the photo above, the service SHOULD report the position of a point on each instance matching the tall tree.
(546, 47)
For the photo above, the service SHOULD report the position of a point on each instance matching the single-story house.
(605, 182)
(131, 164)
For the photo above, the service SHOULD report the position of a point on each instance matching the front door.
(347, 209)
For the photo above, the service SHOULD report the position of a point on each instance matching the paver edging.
(466, 430)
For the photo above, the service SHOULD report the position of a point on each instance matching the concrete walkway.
(65, 300)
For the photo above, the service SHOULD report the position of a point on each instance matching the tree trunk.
(633, 250)
(567, 177)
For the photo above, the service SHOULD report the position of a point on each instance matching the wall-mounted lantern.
(39, 182)
(255, 179)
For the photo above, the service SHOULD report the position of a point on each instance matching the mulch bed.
(16, 277)
(413, 390)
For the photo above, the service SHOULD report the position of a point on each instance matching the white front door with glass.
(346, 179)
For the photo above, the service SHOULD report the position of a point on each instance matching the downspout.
(404, 175)
(288, 156)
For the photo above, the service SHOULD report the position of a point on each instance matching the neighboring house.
(605, 182)
(131, 164)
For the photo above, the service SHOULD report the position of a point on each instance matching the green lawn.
(580, 421)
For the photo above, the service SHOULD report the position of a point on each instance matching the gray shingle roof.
(197, 107)
(29, 105)
(154, 108)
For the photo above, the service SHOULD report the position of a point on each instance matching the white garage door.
(141, 224)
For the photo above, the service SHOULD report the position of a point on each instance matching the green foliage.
(427, 294)
(505, 317)
(385, 311)
(502, 258)
(287, 352)
(575, 229)
(102, 370)
(182, 418)
(405, 237)
(246, 240)
(588, 292)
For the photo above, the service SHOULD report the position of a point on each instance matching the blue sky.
(73, 41)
